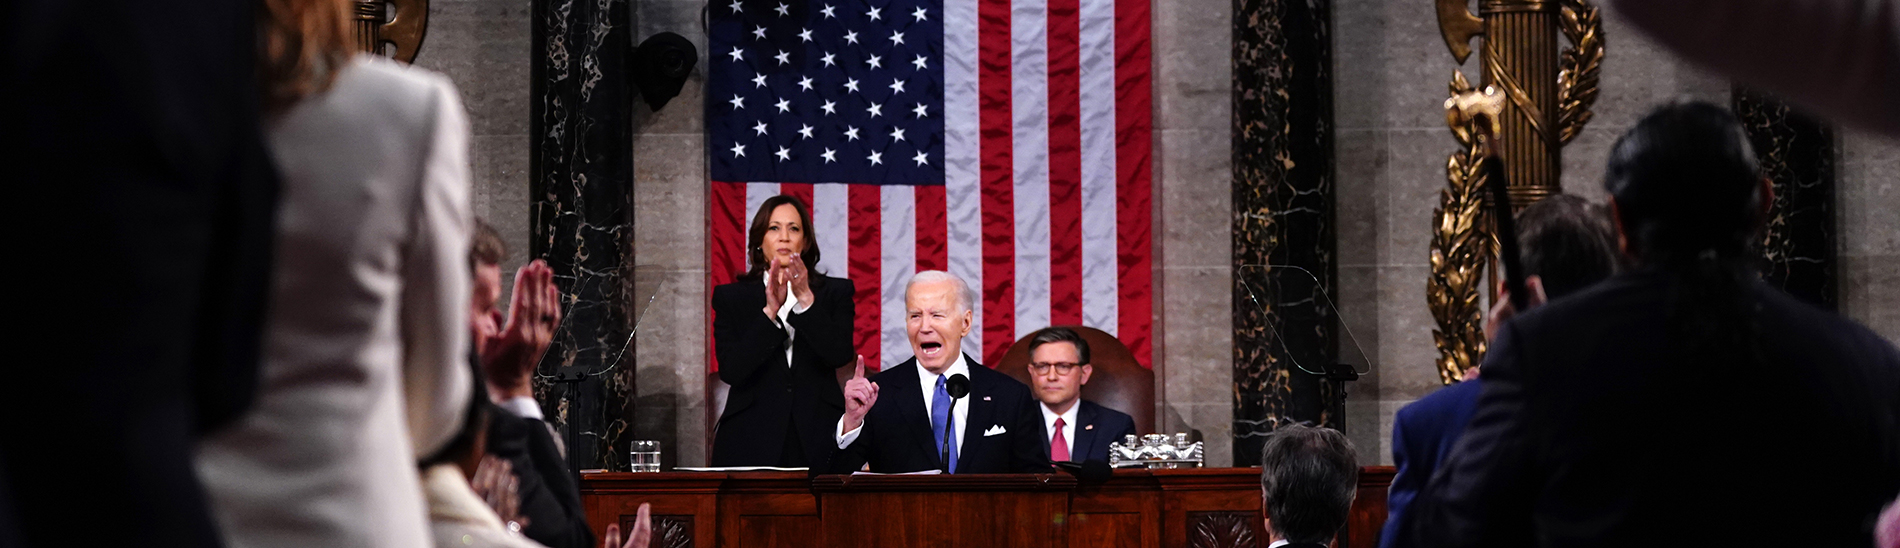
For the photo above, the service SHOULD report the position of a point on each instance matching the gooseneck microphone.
(957, 386)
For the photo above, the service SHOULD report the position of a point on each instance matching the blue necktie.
(941, 421)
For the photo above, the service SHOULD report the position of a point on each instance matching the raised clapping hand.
(859, 395)
(800, 279)
(775, 278)
(642, 531)
(533, 311)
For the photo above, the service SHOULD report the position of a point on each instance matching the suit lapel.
(1084, 435)
(914, 411)
(981, 413)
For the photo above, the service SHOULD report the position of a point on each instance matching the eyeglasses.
(1064, 368)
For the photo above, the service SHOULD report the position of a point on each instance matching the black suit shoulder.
(1112, 422)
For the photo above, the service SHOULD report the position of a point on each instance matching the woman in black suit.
(780, 332)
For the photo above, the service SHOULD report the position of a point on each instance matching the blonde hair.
(301, 46)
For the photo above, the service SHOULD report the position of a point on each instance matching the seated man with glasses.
(1075, 430)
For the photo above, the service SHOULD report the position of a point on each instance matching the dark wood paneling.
(1201, 507)
(1223, 530)
(1106, 530)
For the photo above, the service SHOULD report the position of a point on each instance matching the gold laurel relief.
(1578, 67)
(1461, 247)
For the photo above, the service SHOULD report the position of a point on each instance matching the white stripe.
(962, 172)
(1101, 299)
(831, 220)
(1029, 91)
(755, 196)
(898, 231)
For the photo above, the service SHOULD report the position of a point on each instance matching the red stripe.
(999, 225)
(726, 215)
(1065, 163)
(802, 191)
(933, 234)
(1134, 116)
(865, 270)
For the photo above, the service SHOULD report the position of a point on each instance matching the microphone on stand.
(957, 386)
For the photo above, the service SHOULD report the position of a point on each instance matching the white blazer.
(366, 346)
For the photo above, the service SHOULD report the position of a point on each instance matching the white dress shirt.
(524, 407)
(1068, 425)
(959, 409)
(785, 312)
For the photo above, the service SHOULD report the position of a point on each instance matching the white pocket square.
(994, 430)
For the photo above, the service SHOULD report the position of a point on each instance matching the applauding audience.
(548, 494)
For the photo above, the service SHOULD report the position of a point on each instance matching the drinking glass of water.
(646, 456)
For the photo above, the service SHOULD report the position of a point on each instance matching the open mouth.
(931, 348)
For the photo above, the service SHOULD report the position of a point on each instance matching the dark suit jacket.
(897, 435)
(1095, 428)
(1422, 433)
(550, 498)
(1589, 432)
(135, 123)
(751, 351)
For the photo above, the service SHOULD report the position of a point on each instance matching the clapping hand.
(775, 278)
(642, 531)
(800, 279)
(859, 395)
(496, 484)
(533, 311)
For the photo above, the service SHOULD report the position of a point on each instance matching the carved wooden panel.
(1222, 529)
(669, 531)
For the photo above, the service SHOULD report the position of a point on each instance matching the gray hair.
(966, 297)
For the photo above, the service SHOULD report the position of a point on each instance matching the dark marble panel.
(1798, 154)
(581, 168)
(1284, 330)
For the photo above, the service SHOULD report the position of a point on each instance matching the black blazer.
(765, 392)
(1588, 432)
(897, 436)
(1095, 428)
(549, 496)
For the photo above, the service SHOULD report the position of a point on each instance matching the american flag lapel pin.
(1089, 427)
(986, 398)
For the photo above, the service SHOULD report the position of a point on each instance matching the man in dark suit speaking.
(1073, 429)
(923, 424)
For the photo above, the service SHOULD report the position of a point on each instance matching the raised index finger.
(860, 373)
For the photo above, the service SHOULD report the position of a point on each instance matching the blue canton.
(826, 91)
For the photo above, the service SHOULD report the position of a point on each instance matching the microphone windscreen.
(958, 386)
(1088, 471)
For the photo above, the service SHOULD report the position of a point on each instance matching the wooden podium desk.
(1212, 508)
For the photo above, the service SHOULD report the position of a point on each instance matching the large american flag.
(1006, 141)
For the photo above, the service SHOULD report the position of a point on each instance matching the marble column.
(581, 173)
(1284, 325)
(1797, 155)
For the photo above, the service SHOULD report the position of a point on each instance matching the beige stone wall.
(1194, 185)
(1390, 73)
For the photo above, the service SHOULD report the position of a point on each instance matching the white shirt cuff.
(526, 407)
(800, 308)
(846, 438)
